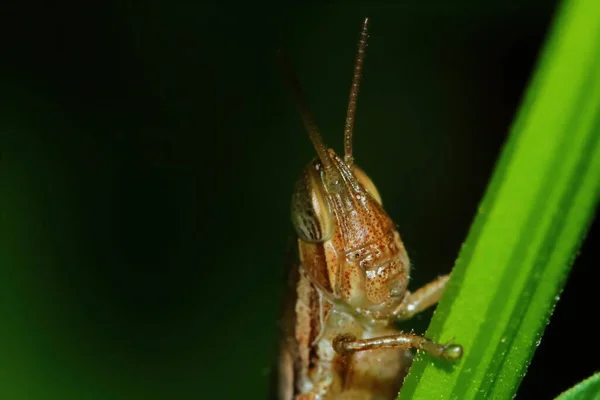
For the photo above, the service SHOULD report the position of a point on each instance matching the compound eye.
(366, 182)
(311, 213)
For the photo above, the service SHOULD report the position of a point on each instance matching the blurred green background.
(148, 153)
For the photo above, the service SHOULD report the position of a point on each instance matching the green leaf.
(587, 389)
(530, 224)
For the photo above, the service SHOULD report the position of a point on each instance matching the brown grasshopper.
(350, 284)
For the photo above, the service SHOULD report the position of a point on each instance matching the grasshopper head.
(349, 247)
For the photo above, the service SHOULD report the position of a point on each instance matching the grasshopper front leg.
(412, 304)
(420, 300)
(346, 344)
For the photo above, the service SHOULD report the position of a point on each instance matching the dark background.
(148, 157)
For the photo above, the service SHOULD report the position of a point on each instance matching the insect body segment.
(351, 282)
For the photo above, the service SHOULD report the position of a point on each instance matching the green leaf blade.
(586, 389)
(529, 226)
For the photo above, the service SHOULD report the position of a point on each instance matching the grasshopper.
(350, 284)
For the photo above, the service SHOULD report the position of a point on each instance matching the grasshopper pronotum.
(350, 284)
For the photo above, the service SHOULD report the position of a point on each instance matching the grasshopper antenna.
(309, 123)
(351, 113)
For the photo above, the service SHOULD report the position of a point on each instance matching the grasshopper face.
(348, 243)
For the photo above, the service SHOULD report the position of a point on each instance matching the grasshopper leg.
(346, 344)
(422, 299)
